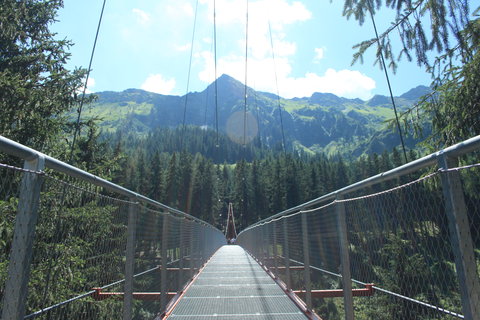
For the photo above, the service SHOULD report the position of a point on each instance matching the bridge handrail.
(426, 161)
(25, 153)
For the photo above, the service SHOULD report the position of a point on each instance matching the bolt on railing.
(413, 232)
(75, 246)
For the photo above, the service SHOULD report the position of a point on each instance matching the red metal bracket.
(366, 292)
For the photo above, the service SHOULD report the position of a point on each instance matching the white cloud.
(267, 21)
(158, 84)
(90, 85)
(177, 10)
(284, 48)
(281, 12)
(229, 11)
(142, 17)
(276, 13)
(261, 75)
(261, 67)
(344, 83)
(319, 54)
(182, 48)
(188, 9)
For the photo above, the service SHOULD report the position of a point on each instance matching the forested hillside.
(258, 181)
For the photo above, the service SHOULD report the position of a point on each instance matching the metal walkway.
(233, 286)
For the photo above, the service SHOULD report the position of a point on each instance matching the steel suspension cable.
(245, 86)
(72, 148)
(188, 79)
(278, 92)
(207, 97)
(79, 110)
(257, 116)
(89, 293)
(215, 63)
(388, 80)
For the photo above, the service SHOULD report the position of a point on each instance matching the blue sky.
(146, 44)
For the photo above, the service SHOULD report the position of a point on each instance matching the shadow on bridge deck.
(234, 286)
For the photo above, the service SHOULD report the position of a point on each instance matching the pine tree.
(425, 27)
(311, 183)
(172, 182)
(144, 181)
(258, 202)
(35, 86)
(156, 180)
(242, 193)
(208, 193)
(341, 176)
(185, 177)
(292, 188)
(217, 203)
(195, 200)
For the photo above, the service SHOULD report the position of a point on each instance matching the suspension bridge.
(403, 244)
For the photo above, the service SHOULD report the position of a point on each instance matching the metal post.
(182, 254)
(261, 245)
(208, 242)
(275, 249)
(306, 261)
(130, 260)
(255, 250)
(21, 253)
(286, 254)
(345, 259)
(461, 239)
(198, 242)
(163, 271)
(192, 248)
(202, 241)
(269, 244)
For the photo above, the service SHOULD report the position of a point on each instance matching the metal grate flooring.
(233, 286)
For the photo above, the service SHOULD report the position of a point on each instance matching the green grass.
(305, 118)
(298, 146)
(379, 111)
(383, 112)
(291, 106)
(117, 111)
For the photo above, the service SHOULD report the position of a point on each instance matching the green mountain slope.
(320, 123)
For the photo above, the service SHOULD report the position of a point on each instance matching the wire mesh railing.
(74, 246)
(404, 244)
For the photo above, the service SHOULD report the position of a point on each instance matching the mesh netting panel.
(400, 241)
(9, 189)
(80, 244)
(398, 238)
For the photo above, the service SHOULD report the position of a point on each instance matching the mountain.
(323, 122)
(416, 93)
